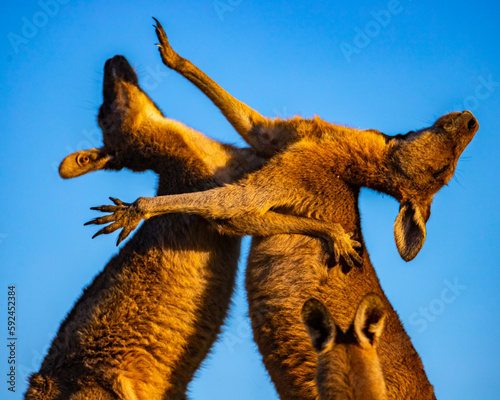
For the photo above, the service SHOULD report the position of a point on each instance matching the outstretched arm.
(266, 136)
(240, 218)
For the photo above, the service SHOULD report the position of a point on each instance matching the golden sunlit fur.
(311, 187)
(283, 271)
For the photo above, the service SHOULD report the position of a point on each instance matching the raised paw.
(124, 215)
(168, 55)
(344, 247)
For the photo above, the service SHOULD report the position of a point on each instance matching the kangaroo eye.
(82, 159)
(450, 125)
(440, 171)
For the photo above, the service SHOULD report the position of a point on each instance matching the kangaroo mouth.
(117, 71)
(469, 127)
(470, 121)
(119, 68)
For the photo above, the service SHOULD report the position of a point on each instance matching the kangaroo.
(348, 364)
(143, 326)
(316, 171)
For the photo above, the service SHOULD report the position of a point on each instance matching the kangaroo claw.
(344, 247)
(123, 215)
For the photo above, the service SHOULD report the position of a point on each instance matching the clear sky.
(388, 65)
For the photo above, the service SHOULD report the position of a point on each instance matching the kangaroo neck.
(358, 158)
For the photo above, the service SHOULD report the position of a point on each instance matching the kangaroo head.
(420, 163)
(126, 116)
(348, 365)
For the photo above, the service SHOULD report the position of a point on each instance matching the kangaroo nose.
(119, 67)
(472, 124)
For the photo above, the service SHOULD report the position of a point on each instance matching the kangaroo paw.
(124, 215)
(344, 247)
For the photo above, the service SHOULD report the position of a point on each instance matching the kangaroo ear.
(319, 324)
(82, 162)
(409, 229)
(370, 319)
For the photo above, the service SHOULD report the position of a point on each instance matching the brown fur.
(317, 176)
(142, 327)
(348, 364)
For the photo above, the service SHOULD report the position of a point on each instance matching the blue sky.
(388, 65)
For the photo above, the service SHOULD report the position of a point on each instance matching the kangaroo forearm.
(218, 203)
(239, 115)
(263, 134)
(273, 223)
(266, 136)
(338, 242)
